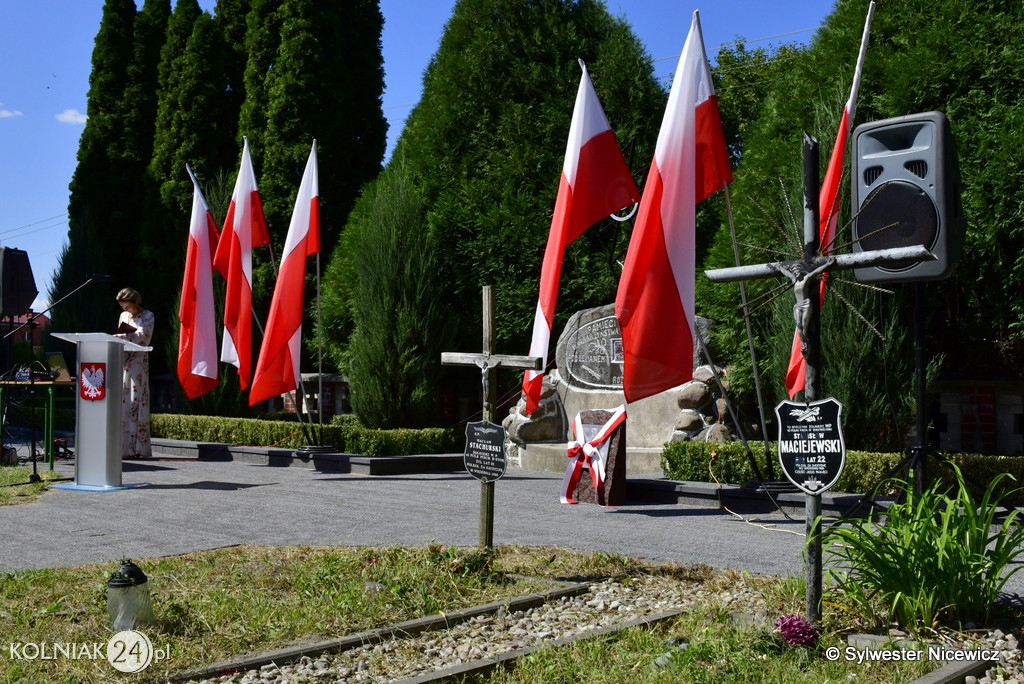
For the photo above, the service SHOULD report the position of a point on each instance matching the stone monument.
(589, 376)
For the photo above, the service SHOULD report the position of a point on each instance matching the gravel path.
(608, 603)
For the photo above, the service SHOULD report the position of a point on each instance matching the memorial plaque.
(485, 450)
(812, 452)
(593, 358)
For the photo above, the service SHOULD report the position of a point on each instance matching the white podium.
(98, 391)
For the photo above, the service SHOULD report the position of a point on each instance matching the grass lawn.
(241, 600)
(23, 493)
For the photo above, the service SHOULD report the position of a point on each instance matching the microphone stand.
(30, 323)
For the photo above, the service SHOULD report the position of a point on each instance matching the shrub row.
(344, 435)
(694, 462)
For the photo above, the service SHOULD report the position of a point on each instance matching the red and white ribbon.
(589, 450)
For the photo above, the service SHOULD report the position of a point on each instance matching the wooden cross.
(488, 363)
(804, 274)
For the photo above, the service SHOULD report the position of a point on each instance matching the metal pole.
(750, 339)
(919, 460)
(490, 398)
(812, 506)
(319, 353)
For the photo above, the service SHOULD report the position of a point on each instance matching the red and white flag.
(828, 204)
(197, 338)
(655, 300)
(595, 182)
(277, 370)
(244, 228)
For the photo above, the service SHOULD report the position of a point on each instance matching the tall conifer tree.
(231, 18)
(194, 127)
(262, 39)
(487, 142)
(96, 213)
(326, 83)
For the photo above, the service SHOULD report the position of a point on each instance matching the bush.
(940, 557)
(344, 435)
(864, 470)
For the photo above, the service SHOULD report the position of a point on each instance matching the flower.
(796, 630)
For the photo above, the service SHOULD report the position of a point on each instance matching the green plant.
(346, 436)
(939, 557)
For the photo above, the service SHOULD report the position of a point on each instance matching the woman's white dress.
(135, 395)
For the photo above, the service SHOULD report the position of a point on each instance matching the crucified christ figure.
(797, 272)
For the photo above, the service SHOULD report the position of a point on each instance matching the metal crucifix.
(804, 274)
(488, 363)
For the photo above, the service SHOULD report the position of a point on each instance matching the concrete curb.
(949, 673)
(954, 673)
(274, 457)
(374, 636)
(736, 497)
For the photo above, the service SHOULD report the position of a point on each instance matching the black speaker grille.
(871, 174)
(918, 167)
(897, 214)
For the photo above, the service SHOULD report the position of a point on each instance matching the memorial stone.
(588, 375)
(613, 490)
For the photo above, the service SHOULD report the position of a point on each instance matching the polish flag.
(244, 228)
(197, 338)
(828, 205)
(595, 183)
(277, 370)
(655, 301)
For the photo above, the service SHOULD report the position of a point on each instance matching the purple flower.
(796, 630)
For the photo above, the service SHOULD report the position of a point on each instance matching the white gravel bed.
(609, 602)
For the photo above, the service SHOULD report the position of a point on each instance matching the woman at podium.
(135, 325)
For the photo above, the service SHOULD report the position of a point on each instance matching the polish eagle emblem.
(92, 381)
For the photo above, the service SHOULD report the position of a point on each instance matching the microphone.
(97, 276)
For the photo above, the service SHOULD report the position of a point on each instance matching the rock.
(705, 375)
(715, 433)
(693, 395)
(689, 421)
(546, 424)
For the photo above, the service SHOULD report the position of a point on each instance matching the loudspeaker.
(17, 286)
(904, 175)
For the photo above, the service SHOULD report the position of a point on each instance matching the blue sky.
(45, 60)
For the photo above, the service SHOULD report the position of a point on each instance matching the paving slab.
(190, 504)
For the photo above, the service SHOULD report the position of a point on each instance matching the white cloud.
(71, 116)
(8, 113)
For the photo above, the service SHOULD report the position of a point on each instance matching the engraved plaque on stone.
(589, 353)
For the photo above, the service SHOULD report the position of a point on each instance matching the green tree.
(231, 17)
(262, 39)
(914, 64)
(399, 323)
(194, 126)
(487, 142)
(326, 83)
(194, 122)
(97, 215)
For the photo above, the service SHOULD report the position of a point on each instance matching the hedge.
(343, 435)
(692, 461)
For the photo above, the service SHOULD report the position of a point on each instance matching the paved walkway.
(190, 505)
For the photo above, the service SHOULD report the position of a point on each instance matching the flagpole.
(750, 335)
(298, 395)
(319, 353)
